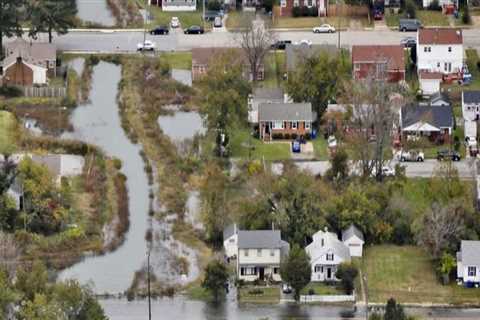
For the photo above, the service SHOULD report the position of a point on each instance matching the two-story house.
(471, 105)
(440, 50)
(286, 6)
(202, 58)
(378, 62)
(468, 262)
(259, 255)
(277, 120)
(326, 254)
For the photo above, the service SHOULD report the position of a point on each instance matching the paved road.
(126, 41)
(412, 169)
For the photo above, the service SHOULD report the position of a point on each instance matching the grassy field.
(274, 69)
(7, 132)
(268, 295)
(236, 19)
(178, 60)
(187, 19)
(427, 17)
(260, 150)
(322, 289)
(408, 274)
(320, 148)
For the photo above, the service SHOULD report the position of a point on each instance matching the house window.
(231, 240)
(323, 242)
(449, 49)
(317, 268)
(296, 3)
(283, 3)
(472, 271)
(245, 252)
(309, 3)
(242, 271)
(438, 64)
(259, 252)
(294, 125)
(448, 67)
(307, 125)
(275, 270)
(329, 256)
(427, 49)
(272, 252)
(278, 125)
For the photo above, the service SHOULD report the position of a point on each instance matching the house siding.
(438, 58)
(18, 73)
(363, 69)
(322, 262)
(287, 128)
(257, 259)
(286, 6)
(355, 246)
(231, 246)
(200, 70)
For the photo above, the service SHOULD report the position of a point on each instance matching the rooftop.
(260, 239)
(440, 36)
(438, 116)
(471, 96)
(392, 54)
(470, 252)
(285, 112)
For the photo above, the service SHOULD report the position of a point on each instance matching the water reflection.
(95, 11)
(181, 125)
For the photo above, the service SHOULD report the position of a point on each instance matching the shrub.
(311, 292)
(10, 91)
(347, 273)
(466, 19)
(277, 135)
(478, 65)
(117, 163)
(296, 12)
(305, 11)
(313, 12)
(214, 5)
(411, 9)
(435, 6)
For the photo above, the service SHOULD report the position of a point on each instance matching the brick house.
(286, 6)
(381, 62)
(202, 57)
(281, 119)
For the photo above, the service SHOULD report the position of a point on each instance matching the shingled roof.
(469, 253)
(392, 54)
(440, 117)
(440, 36)
(285, 112)
(260, 239)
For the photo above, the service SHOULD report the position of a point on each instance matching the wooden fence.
(44, 91)
(347, 10)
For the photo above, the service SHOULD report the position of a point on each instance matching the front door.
(261, 273)
(329, 273)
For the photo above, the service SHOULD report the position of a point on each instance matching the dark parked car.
(409, 42)
(194, 30)
(448, 155)
(159, 30)
(409, 25)
(281, 44)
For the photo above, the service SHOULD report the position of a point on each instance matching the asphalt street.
(126, 41)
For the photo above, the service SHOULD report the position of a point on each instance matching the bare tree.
(442, 227)
(256, 39)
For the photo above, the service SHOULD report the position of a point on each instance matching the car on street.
(386, 171)
(175, 22)
(194, 30)
(217, 23)
(146, 46)
(324, 28)
(412, 155)
(378, 15)
(304, 42)
(286, 288)
(159, 30)
(332, 142)
(405, 25)
(448, 155)
(280, 44)
(409, 42)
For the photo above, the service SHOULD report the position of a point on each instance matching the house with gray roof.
(352, 237)
(468, 262)
(326, 253)
(435, 123)
(277, 120)
(264, 95)
(259, 255)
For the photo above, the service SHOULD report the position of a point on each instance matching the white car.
(324, 28)
(332, 142)
(175, 22)
(304, 42)
(146, 46)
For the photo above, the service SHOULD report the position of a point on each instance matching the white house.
(441, 3)
(471, 105)
(430, 82)
(326, 254)
(259, 255)
(468, 262)
(440, 50)
(353, 239)
(230, 240)
(179, 5)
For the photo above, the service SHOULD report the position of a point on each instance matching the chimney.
(19, 59)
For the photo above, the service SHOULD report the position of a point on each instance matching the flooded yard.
(182, 125)
(95, 11)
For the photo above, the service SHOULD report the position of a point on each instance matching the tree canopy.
(295, 270)
(51, 15)
(216, 277)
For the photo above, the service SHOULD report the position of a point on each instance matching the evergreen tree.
(51, 15)
(216, 276)
(295, 270)
(10, 13)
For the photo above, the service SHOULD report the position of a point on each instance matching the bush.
(277, 135)
(255, 292)
(466, 19)
(411, 9)
(311, 292)
(10, 91)
(296, 12)
(435, 6)
(347, 273)
(313, 12)
(214, 5)
(305, 11)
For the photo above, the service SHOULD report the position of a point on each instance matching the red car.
(378, 15)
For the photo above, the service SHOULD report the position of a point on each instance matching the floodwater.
(99, 123)
(95, 11)
(181, 125)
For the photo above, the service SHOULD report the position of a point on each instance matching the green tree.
(317, 79)
(411, 9)
(394, 311)
(466, 19)
(338, 172)
(216, 276)
(10, 24)
(347, 273)
(91, 310)
(295, 270)
(32, 280)
(447, 264)
(40, 308)
(51, 15)
(7, 294)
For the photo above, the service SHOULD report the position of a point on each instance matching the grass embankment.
(178, 60)
(238, 19)
(187, 19)
(141, 102)
(261, 295)
(407, 273)
(310, 22)
(8, 132)
(274, 70)
(241, 141)
(320, 288)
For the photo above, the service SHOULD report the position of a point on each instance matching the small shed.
(430, 82)
(230, 240)
(353, 239)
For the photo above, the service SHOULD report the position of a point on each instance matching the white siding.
(231, 246)
(475, 277)
(268, 259)
(322, 267)
(355, 246)
(434, 58)
(430, 86)
(39, 74)
(262, 257)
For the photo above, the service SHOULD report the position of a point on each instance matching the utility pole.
(148, 284)
(203, 17)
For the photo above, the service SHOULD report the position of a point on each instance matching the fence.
(347, 10)
(44, 91)
(327, 298)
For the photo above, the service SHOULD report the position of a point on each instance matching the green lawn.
(269, 295)
(408, 274)
(7, 132)
(260, 150)
(427, 17)
(187, 19)
(320, 148)
(237, 19)
(310, 22)
(322, 289)
(274, 69)
(178, 60)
